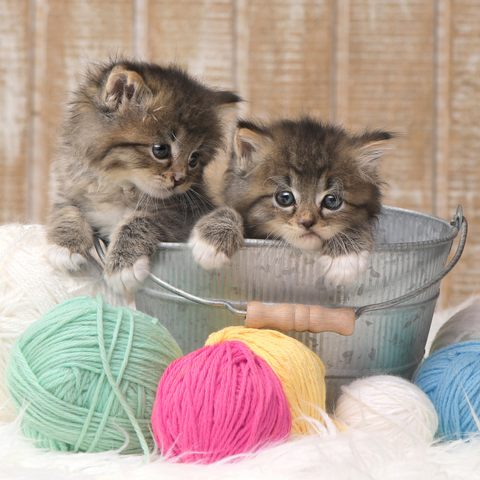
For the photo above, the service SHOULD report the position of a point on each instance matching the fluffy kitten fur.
(309, 184)
(134, 144)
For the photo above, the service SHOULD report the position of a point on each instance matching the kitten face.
(306, 183)
(160, 166)
(146, 125)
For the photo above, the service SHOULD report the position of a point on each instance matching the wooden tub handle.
(300, 318)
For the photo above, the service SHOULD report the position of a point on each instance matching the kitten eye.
(161, 150)
(193, 162)
(332, 202)
(285, 199)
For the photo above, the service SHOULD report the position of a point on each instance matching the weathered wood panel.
(407, 65)
(66, 35)
(286, 54)
(198, 34)
(464, 151)
(391, 80)
(14, 108)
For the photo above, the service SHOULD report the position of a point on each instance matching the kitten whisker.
(355, 245)
(197, 209)
(279, 181)
(186, 203)
(212, 142)
(252, 171)
(154, 117)
(342, 243)
(168, 211)
(139, 201)
(274, 237)
(143, 197)
(206, 202)
(194, 205)
(175, 137)
(286, 240)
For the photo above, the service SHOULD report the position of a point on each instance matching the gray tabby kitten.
(134, 144)
(309, 184)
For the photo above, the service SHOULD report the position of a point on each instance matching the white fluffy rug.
(29, 287)
(347, 455)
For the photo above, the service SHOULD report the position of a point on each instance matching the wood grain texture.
(464, 157)
(341, 62)
(442, 63)
(140, 45)
(198, 34)
(391, 79)
(441, 140)
(67, 35)
(289, 68)
(14, 108)
(406, 65)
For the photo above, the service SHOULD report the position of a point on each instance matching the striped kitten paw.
(64, 260)
(206, 254)
(344, 268)
(216, 237)
(129, 279)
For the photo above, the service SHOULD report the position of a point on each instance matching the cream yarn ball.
(390, 407)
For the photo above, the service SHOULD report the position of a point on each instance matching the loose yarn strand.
(112, 398)
(472, 410)
(96, 397)
(17, 240)
(106, 365)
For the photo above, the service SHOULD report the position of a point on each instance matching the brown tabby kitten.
(310, 184)
(134, 144)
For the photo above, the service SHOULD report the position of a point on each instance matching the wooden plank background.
(412, 66)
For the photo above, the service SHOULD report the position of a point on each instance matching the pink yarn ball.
(219, 401)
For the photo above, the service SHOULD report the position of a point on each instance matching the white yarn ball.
(30, 286)
(390, 407)
(462, 327)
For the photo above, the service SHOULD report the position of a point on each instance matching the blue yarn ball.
(451, 379)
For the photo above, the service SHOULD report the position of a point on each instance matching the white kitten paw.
(344, 268)
(205, 254)
(64, 260)
(129, 280)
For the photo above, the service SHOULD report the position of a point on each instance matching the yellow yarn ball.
(300, 371)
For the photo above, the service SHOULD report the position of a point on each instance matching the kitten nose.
(178, 179)
(306, 222)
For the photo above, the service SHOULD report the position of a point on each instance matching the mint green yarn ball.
(85, 377)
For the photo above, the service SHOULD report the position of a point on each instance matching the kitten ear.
(249, 140)
(122, 85)
(227, 98)
(371, 145)
(227, 102)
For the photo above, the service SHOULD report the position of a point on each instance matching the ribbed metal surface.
(411, 249)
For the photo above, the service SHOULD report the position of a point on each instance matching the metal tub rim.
(397, 246)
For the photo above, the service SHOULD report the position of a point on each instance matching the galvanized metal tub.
(388, 338)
